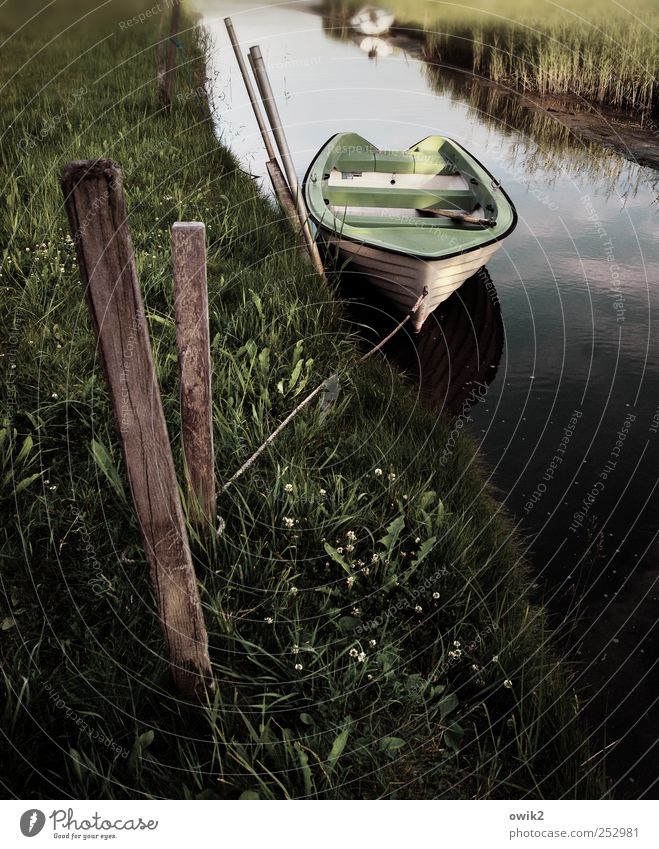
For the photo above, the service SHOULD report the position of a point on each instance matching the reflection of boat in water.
(454, 357)
(372, 20)
(375, 47)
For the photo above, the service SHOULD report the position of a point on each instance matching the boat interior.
(374, 187)
(410, 201)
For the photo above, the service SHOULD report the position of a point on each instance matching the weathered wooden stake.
(194, 359)
(95, 205)
(167, 57)
(283, 195)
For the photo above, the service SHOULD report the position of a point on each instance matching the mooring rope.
(315, 392)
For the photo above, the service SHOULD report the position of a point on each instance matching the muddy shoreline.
(610, 129)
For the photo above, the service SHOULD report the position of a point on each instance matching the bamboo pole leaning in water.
(279, 184)
(272, 112)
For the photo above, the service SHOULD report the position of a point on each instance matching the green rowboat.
(412, 221)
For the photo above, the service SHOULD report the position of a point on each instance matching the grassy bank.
(367, 606)
(601, 52)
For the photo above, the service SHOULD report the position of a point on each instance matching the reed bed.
(596, 52)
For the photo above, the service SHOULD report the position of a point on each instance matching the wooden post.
(194, 359)
(94, 200)
(167, 57)
(283, 195)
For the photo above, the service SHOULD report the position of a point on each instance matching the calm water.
(567, 411)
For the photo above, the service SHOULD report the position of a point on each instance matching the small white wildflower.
(340, 550)
(457, 643)
(323, 492)
(361, 657)
(299, 667)
(391, 476)
(418, 609)
(366, 570)
(352, 536)
(372, 643)
(288, 487)
(508, 683)
(350, 580)
(295, 648)
(55, 395)
(435, 595)
(453, 655)
(294, 590)
(474, 667)
(370, 677)
(375, 558)
(288, 522)
(356, 611)
(53, 487)
(353, 652)
(495, 658)
(378, 473)
(418, 539)
(350, 548)
(268, 620)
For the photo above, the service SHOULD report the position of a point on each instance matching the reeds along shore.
(594, 51)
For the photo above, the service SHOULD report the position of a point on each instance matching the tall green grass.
(371, 632)
(599, 52)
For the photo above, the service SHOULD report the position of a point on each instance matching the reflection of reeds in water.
(456, 353)
(549, 148)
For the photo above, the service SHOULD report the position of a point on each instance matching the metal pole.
(250, 89)
(272, 112)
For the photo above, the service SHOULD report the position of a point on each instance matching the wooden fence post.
(194, 359)
(166, 58)
(94, 200)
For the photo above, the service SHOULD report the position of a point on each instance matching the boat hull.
(403, 278)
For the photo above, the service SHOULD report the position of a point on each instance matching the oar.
(460, 215)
